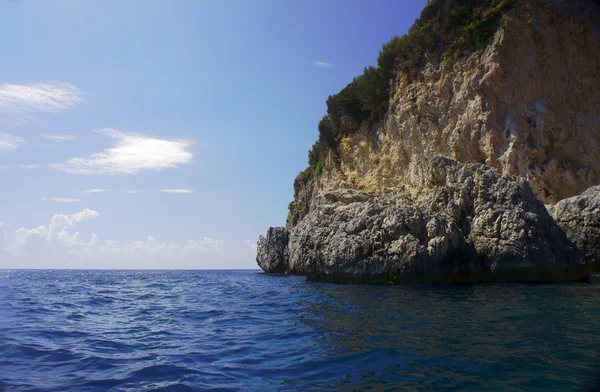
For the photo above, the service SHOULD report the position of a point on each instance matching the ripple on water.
(241, 330)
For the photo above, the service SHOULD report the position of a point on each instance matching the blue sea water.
(243, 330)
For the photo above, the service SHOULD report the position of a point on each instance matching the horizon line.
(130, 269)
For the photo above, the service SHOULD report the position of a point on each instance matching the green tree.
(326, 132)
(314, 154)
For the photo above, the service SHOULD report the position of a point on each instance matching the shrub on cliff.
(446, 28)
(344, 108)
(315, 160)
(314, 153)
(326, 133)
(318, 169)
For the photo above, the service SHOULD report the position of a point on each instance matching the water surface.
(243, 330)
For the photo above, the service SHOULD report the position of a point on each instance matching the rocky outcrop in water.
(474, 225)
(579, 217)
(272, 250)
(449, 186)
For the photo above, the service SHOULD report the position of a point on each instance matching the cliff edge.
(435, 165)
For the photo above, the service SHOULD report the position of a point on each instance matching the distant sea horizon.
(131, 269)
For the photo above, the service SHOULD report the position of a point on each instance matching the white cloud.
(61, 199)
(152, 247)
(40, 242)
(97, 190)
(323, 64)
(131, 154)
(177, 191)
(23, 236)
(58, 138)
(134, 191)
(251, 244)
(18, 101)
(9, 142)
(19, 166)
(55, 246)
(61, 222)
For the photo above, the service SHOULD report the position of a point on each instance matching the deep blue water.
(243, 330)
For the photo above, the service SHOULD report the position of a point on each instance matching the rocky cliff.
(449, 184)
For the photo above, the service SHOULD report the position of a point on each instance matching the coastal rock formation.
(579, 217)
(473, 225)
(272, 250)
(527, 105)
(448, 183)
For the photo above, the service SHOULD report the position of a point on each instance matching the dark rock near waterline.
(579, 217)
(472, 225)
(272, 250)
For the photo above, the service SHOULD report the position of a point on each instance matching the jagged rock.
(579, 217)
(272, 251)
(474, 225)
(518, 121)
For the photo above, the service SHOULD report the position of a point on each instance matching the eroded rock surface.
(473, 225)
(528, 105)
(579, 217)
(272, 250)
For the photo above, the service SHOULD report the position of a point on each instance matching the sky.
(166, 134)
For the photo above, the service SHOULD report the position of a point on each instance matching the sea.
(95, 330)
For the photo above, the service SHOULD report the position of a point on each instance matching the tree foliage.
(326, 132)
(314, 153)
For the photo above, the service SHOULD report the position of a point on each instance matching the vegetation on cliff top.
(446, 29)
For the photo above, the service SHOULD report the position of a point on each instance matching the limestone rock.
(272, 251)
(474, 225)
(449, 186)
(527, 105)
(579, 217)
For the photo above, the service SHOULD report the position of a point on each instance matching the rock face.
(579, 217)
(450, 186)
(272, 251)
(474, 225)
(527, 105)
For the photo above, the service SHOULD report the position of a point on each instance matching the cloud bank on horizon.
(53, 244)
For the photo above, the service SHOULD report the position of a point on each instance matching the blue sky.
(205, 109)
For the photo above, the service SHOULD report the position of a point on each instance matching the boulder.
(579, 217)
(272, 250)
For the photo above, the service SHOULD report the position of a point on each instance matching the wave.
(239, 330)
